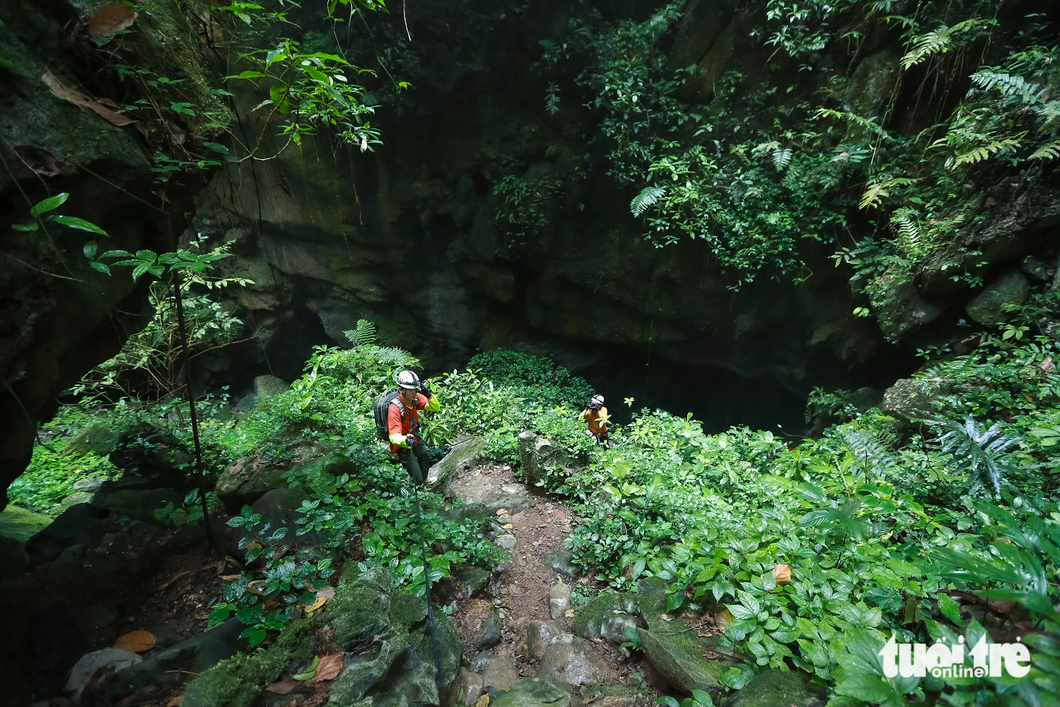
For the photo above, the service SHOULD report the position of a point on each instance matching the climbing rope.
(427, 580)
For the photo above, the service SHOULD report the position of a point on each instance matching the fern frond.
(942, 40)
(906, 223)
(1047, 152)
(935, 42)
(876, 193)
(871, 454)
(1048, 114)
(984, 151)
(764, 147)
(394, 356)
(1009, 84)
(868, 124)
(647, 197)
(781, 158)
(364, 334)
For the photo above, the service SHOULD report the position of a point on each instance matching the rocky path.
(510, 629)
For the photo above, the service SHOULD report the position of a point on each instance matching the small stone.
(502, 512)
(559, 600)
(506, 542)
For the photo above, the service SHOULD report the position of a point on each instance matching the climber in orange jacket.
(403, 423)
(596, 415)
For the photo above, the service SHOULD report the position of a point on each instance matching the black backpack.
(382, 412)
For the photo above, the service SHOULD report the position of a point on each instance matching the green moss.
(590, 618)
(450, 647)
(359, 612)
(236, 682)
(407, 610)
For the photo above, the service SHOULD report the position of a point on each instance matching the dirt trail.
(520, 593)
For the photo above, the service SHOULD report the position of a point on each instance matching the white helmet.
(596, 402)
(408, 379)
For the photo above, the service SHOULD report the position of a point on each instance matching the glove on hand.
(426, 390)
(400, 440)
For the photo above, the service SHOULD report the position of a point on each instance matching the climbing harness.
(427, 581)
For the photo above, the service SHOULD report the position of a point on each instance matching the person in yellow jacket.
(596, 415)
(403, 423)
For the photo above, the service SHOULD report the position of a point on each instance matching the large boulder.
(135, 498)
(574, 661)
(78, 525)
(914, 398)
(537, 454)
(96, 438)
(384, 631)
(988, 307)
(534, 692)
(778, 688)
(608, 616)
(456, 462)
(679, 660)
(269, 386)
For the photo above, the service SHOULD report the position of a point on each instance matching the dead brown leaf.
(80, 99)
(326, 592)
(1047, 364)
(109, 21)
(283, 687)
(237, 467)
(136, 641)
(328, 668)
(319, 602)
(40, 161)
(782, 574)
(175, 701)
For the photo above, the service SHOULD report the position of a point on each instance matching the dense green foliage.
(882, 524)
(809, 135)
(57, 465)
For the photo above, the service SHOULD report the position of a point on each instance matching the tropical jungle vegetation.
(815, 551)
(812, 552)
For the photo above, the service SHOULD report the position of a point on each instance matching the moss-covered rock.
(988, 307)
(532, 693)
(912, 398)
(96, 439)
(236, 682)
(777, 688)
(607, 616)
(387, 628)
(456, 462)
(679, 659)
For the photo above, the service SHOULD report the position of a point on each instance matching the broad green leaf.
(863, 647)
(100, 267)
(248, 75)
(90, 250)
(25, 226)
(949, 608)
(702, 698)
(868, 688)
(117, 254)
(78, 223)
(255, 637)
(49, 204)
(140, 270)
